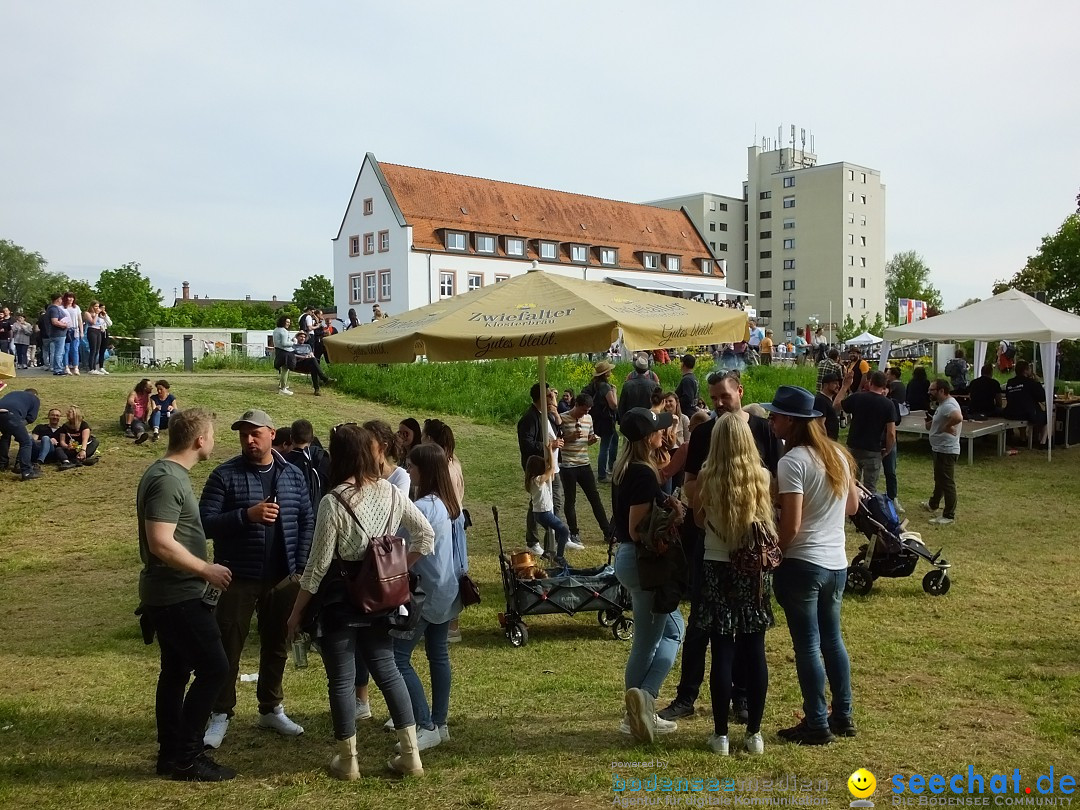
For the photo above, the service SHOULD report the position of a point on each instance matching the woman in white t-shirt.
(817, 493)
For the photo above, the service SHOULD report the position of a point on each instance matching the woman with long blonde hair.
(817, 493)
(736, 608)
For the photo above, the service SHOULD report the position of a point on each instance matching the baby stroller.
(890, 551)
(569, 591)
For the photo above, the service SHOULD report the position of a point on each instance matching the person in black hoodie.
(17, 410)
(313, 461)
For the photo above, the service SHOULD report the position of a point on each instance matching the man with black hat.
(257, 509)
(534, 432)
(639, 386)
(605, 406)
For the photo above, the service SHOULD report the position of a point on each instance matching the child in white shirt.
(538, 475)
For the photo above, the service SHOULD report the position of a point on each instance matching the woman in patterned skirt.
(736, 607)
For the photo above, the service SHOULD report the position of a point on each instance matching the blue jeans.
(72, 349)
(159, 420)
(562, 534)
(811, 597)
(12, 426)
(56, 352)
(438, 656)
(656, 636)
(44, 449)
(609, 449)
(888, 464)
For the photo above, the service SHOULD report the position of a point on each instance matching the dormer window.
(651, 261)
(484, 243)
(609, 256)
(549, 250)
(579, 254)
(674, 264)
(455, 240)
(706, 267)
(515, 246)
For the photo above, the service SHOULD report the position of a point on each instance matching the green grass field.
(986, 676)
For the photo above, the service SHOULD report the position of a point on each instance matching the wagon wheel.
(608, 617)
(623, 629)
(518, 634)
(859, 580)
(936, 583)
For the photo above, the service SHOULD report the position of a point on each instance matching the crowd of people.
(62, 337)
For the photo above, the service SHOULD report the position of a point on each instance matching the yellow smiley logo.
(862, 784)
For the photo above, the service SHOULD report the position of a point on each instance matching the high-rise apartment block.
(807, 240)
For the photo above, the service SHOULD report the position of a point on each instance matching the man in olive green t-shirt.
(172, 583)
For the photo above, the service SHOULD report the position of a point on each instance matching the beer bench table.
(915, 422)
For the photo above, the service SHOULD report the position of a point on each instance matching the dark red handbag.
(379, 583)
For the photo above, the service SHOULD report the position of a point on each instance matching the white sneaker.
(95, 372)
(388, 726)
(926, 507)
(640, 715)
(719, 744)
(103, 371)
(942, 521)
(425, 738)
(572, 546)
(444, 732)
(537, 550)
(664, 726)
(75, 370)
(899, 507)
(285, 391)
(363, 710)
(278, 721)
(755, 744)
(215, 730)
(624, 726)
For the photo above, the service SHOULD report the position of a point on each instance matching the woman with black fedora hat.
(817, 493)
(657, 636)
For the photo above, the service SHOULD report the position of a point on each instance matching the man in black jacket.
(257, 510)
(533, 433)
(17, 410)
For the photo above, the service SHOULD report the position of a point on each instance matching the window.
(722, 207)
(369, 207)
(722, 246)
(369, 243)
(765, 254)
(765, 294)
(723, 226)
(370, 281)
(476, 281)
(354, 245)
(851, 261)
(789, 284)
(712, 205)
(706, 267)
(789, 244)
(514, 246)
(384, 241)
(862, 283)
(765, 235)
(864, 177)
(789, 326)
(851, 239)
(579, 253)
(789, 305)
(789, 202)
(789, 264)
(609, 256)
(765, 274)
(862, 261)
(356, 289)
(851, 303)
(851, 281)
(455, 240)
(789, 182)
(851, 174)
(501, 277)
(651, 261)
(789, 223)
(548, 250)
(862, 219)
(765, 215)
(851, 196)
(765, 195)
(862, 241)
(764, 313)
(712, 226)
(673, 264)
(712, 245)
(384, 285)
(447, 283)
(862, 197)
(484, 243)
(851, 219)
(862, 303)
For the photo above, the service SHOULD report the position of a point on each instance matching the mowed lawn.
(987, 676)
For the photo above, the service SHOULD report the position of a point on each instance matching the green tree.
(907, 276)
(222, 314)
(183, 315)
(1054, 269)
(969, 302)
(23, 279)
(132, 301)
(848, 329)
(258, 316)
(314, 291)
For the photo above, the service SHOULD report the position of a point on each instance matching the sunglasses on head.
(334, 429)
(720, 376)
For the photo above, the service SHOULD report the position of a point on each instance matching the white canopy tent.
(1011, 315)
(865, 339)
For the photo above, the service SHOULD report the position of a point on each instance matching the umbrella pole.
(541, 362)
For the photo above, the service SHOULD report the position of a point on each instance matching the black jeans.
(749, 650)
(190, 640)
(945, 483)
(95, 337)
(572, 478)
(12, 425)
(309, 365)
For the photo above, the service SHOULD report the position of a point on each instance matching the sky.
(218, 143)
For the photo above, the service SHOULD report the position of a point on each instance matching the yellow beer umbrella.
(537, 314)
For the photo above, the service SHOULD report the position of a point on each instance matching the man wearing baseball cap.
(257, 510)
(638, 388)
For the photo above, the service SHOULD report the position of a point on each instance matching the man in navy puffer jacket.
(257, 510)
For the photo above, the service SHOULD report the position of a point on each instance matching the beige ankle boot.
(343, 765)
(408, 761)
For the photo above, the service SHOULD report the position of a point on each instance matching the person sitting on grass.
(307, 364)
(47, 440)
(538, 475)
(137, 412)
(76, 441)
(164, 402)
